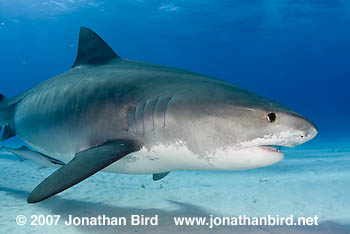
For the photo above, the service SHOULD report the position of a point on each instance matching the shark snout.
(305, 131)
(310, 132)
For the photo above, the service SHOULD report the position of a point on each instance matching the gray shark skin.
(136, 117)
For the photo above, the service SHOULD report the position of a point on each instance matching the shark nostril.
(310, 132)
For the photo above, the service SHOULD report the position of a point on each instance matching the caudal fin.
(2, 97)
(6, 117)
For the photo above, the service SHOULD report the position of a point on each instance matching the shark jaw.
(178, 156)
(259, 152)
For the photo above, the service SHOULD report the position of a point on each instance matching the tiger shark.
(113, 114)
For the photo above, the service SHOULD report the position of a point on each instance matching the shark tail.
(6, 117)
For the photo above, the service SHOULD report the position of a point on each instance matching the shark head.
(240, 129)
(267, 123)
(266, 127)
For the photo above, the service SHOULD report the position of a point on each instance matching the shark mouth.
(271, 148)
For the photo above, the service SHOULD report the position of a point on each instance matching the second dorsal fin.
(92, 49)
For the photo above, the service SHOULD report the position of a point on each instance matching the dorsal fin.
(92, 49)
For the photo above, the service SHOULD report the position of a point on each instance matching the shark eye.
(271, 117)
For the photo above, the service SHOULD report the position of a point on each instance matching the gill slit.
(153, 110)
(143, 117)
(165, 108)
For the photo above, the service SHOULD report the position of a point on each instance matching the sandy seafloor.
(313, 179)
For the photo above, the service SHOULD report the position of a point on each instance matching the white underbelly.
(178, 157)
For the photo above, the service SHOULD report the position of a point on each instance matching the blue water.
(296, 52)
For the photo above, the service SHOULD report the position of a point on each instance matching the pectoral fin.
(160, 176)
(83, 165)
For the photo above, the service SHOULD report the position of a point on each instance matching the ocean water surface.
(294, 52)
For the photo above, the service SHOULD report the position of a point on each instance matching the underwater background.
(296, 52)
